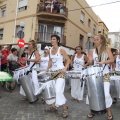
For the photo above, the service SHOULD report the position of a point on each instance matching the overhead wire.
(94, 6)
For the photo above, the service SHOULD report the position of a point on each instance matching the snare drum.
(94, 69)
(48, 92)
(96, 89)
(20, 72)
(115, 86)
(75, 74)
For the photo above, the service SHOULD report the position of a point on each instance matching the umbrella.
(4, 76)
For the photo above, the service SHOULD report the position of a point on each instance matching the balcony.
(45, 37)
(50, 13)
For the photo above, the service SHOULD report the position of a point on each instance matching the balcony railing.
(46, 37)
(61, 10)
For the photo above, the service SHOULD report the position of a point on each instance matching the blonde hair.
(103, 45)
(33, 44)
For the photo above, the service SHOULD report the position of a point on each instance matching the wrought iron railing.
(46, 37)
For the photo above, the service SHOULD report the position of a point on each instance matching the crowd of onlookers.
(9, 58)
(54, 6)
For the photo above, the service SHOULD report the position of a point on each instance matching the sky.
(110, 13)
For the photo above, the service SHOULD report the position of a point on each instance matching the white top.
(57, 60)
(44, 62)
(95, 58)
(31, 63)
(78, 62)
(12, 57)
(117, 67)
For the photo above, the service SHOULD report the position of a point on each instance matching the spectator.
(61, 7)
(55, 3)
(13, 59)
(0, 56)
(4, 58)
(48, 5)
(13, 56)
(22, 60)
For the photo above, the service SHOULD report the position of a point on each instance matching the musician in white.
(57, 55)
(32, 59)
(78, 62)
(104, 53)
(116, 68)
(44, 59)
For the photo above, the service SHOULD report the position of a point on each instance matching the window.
(22, 5)
(94, 29)
(99, 29)
(22, 8)
(82, 17)
(81, 40)
(89, 22)
(3, 12)
(45, 31)
(1, 33)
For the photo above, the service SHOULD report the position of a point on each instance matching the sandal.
(24, 98)
(65, 112)
(91, 115)
(110, 117)
(42, 100)
(72, 98)
(114, 100)
(79, 101)
(51, 109)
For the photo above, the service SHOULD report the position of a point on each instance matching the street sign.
(20, 34)
(21, 43)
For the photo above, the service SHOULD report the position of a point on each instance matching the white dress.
(76, 89)
(33, 78)
(57, 64)
(108, 99)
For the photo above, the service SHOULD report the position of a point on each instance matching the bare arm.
(114, 64)
(110, 56)
(90, 57)
(72, 59)
(86, 60)
(62, 51)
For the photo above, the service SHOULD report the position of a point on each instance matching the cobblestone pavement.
(13, 108)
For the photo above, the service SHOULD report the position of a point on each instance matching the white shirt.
(12, 57)
(78, 62)
(44, 62)
(117, 67)
(95, 58)
(57, 60)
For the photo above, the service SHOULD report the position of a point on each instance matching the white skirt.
(108, 99)
(76, 90)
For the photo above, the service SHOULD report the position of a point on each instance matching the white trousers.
(76, 90)
(59, 89)
(34, 81)
(108, 99)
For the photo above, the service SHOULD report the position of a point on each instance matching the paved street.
(13, 108)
